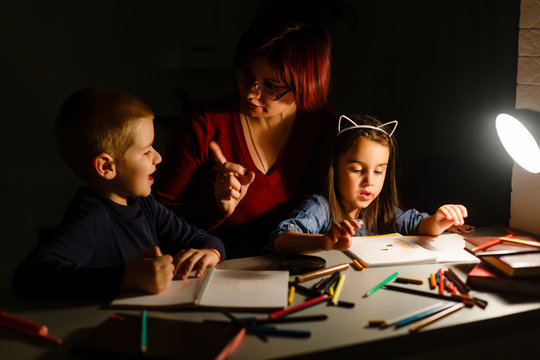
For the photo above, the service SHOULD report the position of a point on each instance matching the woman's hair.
(299, 54)
(379, 216)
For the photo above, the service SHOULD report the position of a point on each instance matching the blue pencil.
(422, 315)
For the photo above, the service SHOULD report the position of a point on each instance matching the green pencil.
(390, 278)
(144, 347)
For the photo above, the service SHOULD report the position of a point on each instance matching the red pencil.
(441, 282)
(27, 327)
(486, 245)
(305, 304)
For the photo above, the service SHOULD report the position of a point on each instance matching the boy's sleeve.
(311, 218)
(49, 276)
(57, 268)
(175, 234)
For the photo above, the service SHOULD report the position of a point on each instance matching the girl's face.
(360, 174)
(255, 104)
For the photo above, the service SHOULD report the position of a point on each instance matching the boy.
(114, 234)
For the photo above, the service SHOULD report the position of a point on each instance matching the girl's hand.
(448, 215)
(193, 259)
(232, 182)
(338, 237)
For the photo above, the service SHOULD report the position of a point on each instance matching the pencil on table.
(291, 295)
(337, 292)
(432, 281)
(436, 317)
(144, 347)
(358, 265)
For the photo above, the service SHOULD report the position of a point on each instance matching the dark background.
(444, 69)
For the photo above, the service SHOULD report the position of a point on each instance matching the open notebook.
(218, 288)
(396, 249)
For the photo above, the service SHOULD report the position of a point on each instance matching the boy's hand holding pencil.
(150, 271)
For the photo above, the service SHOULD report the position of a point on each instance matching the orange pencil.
(432, 281)
(358, 265)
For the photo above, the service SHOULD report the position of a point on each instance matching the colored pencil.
(436, 317)
(318, 273)
(405, 280)
(455, 298)
(301, 306)
(432, 281)
(280, 332)
(358, 265)
(521, 241)
(337, 292)
(144, 346)
(387, 323)
(422, 315)
(386, 281)
(441, 282)
(291, 295)
(462, 286)
(486, 245)
(27, 327)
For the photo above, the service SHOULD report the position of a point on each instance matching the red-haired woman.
(238, 166)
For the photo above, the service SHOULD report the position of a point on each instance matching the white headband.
(356, 126)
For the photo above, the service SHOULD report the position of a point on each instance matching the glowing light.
(518, 142)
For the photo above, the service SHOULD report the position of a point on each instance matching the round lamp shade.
(518, 142)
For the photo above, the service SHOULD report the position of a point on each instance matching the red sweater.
(184, 181)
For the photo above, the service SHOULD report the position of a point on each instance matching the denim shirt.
(314, 218)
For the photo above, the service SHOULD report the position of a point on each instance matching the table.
(508, 326)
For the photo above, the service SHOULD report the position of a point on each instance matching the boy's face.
(360, 174)
(134, 169)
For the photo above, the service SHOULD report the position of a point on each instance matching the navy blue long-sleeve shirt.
(87, 255)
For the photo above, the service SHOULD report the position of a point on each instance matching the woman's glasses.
(245, 76)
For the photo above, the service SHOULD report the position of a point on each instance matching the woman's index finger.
(217, 154)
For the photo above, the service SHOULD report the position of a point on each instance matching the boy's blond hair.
(97, 120)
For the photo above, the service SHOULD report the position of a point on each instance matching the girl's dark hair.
(299, 53)
(379, 216)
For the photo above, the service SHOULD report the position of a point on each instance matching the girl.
(361, 196)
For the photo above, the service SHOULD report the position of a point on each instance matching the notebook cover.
(483, 278)
(166, 339)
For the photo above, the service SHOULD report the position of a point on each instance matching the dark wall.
(443, 69)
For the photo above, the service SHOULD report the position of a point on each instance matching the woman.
(239, 165)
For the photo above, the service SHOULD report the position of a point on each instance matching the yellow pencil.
(339, 286)
(521, 241)
(291, 295)
(358, 265)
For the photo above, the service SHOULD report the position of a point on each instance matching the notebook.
(392, 249)
(484, 278)
(516, 265)
(218, 288)
(166, 339)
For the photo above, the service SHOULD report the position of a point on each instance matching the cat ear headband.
(393, 124)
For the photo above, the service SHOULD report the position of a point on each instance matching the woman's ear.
(105, 166)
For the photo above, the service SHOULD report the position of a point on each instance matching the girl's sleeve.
(407, 221)
(311, 218)
(182, 178)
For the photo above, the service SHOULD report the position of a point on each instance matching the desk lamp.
(517, 137)
(518, 141)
